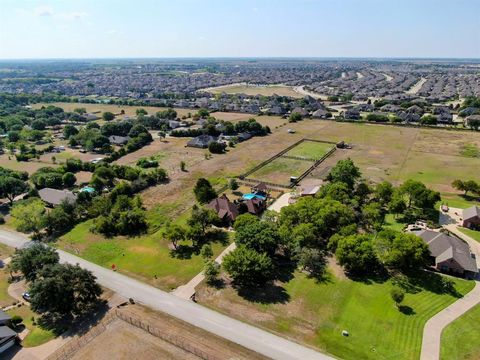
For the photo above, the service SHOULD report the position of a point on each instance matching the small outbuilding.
(471, 217)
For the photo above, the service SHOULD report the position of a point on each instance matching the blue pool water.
(251, 196)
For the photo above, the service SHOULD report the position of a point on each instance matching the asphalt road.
(236, 331)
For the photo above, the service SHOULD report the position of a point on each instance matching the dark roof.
(261, 187)
(4, 316)
(254, 206)
(471, 213)
(224, 208)
(201, 141)
(244, 136)
(120, 140)
(6, 332)
(56, 197)
(444, 247)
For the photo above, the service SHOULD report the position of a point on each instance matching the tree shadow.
(406, 310)
(414, 282)
(284, 268)
(183, 252)
(379, 276)
(217, 236)
(267, 294)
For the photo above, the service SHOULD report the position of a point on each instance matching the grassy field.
(146, 258)
(267, 90)
(472, 233)
(310, 150)
(317, 313)
(460, 339)
(280, 170)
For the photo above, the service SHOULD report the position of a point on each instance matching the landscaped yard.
(317, 313)
(472, 233)
(460, 339)
(36, 335)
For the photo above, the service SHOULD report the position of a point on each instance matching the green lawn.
(310, 149)
(280, 170)
(317, 313)
(461, 339)
(392, 223)
(147, 258)
(457, 200)
(472, 233)
(36, 335)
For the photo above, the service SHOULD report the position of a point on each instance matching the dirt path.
(416, 87)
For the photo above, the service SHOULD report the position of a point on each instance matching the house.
(415, 109)
(255, 206)
(390, 108)
(91, 117)
(352, 114)
(310, 190)
(244, 136)
(118, 140)
(449, 253)
(201, 141)
(471, 217)
(55, 197)
(300, 111)
(225, 209)
(173, 124)
(4, 318)
(7, 338)
(320, 114)
(472, 118)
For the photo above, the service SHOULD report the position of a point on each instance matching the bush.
(216, 147)
(397, 295)
(211, 271)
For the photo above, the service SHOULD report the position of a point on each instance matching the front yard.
(316, 313)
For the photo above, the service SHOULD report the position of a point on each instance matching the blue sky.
(234, 28)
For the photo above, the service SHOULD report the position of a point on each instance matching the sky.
(239, 28)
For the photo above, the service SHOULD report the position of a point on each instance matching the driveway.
(236, 331)
(281, 202)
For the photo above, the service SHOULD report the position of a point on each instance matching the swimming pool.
(251, 196)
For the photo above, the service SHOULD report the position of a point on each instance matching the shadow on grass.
(186, 252)
(414, 282)
(267, 294)
(406, 310)
(59, 324)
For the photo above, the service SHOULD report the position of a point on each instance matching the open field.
(280, 170)
(461, 339)
(265, 90)
(316, 313)
(100, 108)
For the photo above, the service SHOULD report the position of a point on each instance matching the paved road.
(236, 331)
(432, 332)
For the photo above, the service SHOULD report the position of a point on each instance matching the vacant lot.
(265, 90)
(121, 340)
(316, 313)
(280, 170)
(461, 339)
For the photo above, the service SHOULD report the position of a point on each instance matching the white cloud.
(43, 10)
(75, 15)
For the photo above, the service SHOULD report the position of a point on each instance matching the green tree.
(383, 192)
(58, 221)
(294, 117)
(11, 187)
(260, 236)
(401, 251)
(202, 218)
(373, 215)
(247, 267)
(204, 191)
(356, 254)
(312, 260)
(108, 116)
(29, 261)
(206, 253)
(419, 195)
(69, 130)
(29, 216)
(69, 179)
(141, 112)
(64, 289)
(175, 234)
(344, 171)
(233, 184)
(211, 271)
(216, 147)
(397, 295)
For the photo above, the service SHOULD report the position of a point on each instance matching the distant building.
(118, 140)
(201, 141)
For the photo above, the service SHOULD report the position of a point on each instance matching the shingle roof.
(6, 332)
(4, 316)
(224, 207)
(56, 197)
(471, 212)
(444, 247)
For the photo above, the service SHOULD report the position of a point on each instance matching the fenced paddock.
(297, 160)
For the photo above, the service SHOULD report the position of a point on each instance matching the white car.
(96, 160)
